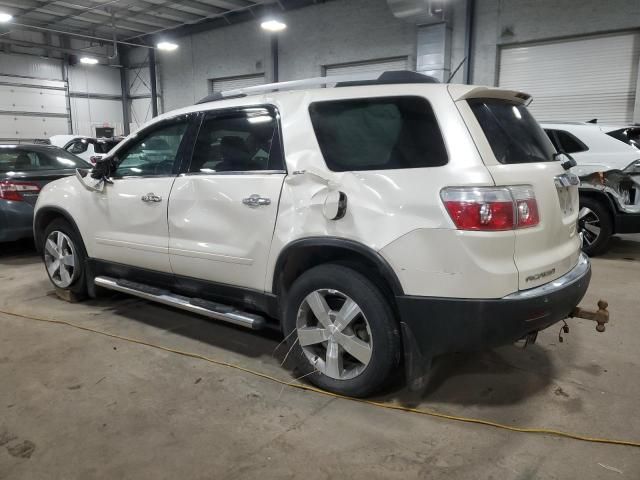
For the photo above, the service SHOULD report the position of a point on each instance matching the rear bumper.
(432, 326)
(16, 220)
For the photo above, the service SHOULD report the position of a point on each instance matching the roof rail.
(352, 80)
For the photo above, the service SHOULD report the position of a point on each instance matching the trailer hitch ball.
(600, 316)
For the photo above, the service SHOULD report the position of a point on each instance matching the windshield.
(23, 159)
(512, 132)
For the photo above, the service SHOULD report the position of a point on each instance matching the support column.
(152, 79)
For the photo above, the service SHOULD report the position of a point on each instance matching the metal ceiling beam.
(25, 44)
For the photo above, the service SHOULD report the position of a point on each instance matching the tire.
(358, 352)
(596, 225)
(66, 240)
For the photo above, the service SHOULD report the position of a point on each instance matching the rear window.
(378, 134)
(26, 160)
(630, 136)
(512, 132)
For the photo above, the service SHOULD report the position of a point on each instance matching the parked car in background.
(608, 164)
(24, 170)
(407, 219)
(87, 148)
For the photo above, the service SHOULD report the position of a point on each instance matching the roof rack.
(372, 78)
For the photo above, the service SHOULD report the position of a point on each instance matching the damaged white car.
(608, 164)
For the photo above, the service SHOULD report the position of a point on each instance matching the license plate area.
(564, 185)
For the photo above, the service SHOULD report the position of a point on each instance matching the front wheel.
(64, 257)
(341, 331)
(596, 226)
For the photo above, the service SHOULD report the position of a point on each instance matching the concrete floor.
(77, 405)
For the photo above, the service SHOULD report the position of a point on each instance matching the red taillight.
(10, 190)
(491, 208)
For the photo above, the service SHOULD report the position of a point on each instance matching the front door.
(131, 213)
(223, 209)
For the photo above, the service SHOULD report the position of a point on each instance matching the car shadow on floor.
(22, 252)
(624, 247)
(504, 376)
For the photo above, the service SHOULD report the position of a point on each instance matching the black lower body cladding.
(432, 326)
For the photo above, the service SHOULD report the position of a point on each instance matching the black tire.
(78, 284)
(382, 331)
(597, 216)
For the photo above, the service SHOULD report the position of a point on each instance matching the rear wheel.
(596, 226)
(341, 331)
(64, 257)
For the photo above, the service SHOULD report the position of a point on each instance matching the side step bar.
(206, 308)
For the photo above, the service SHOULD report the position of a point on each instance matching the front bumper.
(432, 326)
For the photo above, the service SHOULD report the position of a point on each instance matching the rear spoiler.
(465, 92)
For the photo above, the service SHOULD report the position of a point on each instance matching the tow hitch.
(600, 316)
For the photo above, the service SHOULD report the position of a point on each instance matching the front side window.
(154, 154)
(378, 134)
(512, 132)
(238, 142)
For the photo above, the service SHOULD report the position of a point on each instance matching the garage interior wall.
(138, 85)
(33, 100)
(96, 99)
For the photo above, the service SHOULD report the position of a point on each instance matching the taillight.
(11, 190)
(491, 208)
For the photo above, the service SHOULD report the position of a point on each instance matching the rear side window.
(19, 160)
(378, 134)
(512, 132)
(565, 141)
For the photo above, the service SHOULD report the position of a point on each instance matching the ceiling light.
(273, 25)
(167, 46)
(89, 60)
(5, 17)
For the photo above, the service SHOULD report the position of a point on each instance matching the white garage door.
(217, 85)
(400, 63)
(578, 79)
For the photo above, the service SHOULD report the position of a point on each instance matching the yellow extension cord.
(299, 386)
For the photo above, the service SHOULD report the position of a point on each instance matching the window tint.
(154, 154)
(569, 142)
(238, 142)
(512, 132)
(378, 134)
(42, 158)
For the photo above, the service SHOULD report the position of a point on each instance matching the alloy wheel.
(589, 225)
(60, 259)
(334, 334)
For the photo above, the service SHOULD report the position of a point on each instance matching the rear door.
(223, 208)
(517, 152)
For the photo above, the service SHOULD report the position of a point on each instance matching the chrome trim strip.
(575, 274)
(236, 317)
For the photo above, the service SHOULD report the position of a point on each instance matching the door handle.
(151, 197)
(256, 200)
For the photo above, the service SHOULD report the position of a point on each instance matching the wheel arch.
(44, 216)
(605, 199)
(303, 254)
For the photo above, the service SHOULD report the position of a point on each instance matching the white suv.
(375, 223)
(608, 164)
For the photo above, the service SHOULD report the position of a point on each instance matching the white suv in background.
(608, 164)
(87, 148)
(375, 223)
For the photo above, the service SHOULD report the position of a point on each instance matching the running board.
(206, 308)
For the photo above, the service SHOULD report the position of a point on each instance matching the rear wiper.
(567, 164)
